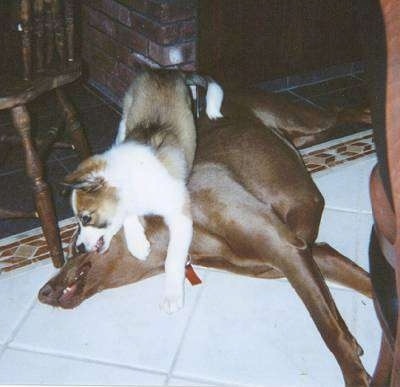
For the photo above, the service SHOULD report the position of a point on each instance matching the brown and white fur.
(144, 173)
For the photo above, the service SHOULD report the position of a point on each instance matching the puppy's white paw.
(139, 248)
(172, 302)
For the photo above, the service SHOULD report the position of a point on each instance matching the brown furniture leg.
(73, 126)
(43, 199)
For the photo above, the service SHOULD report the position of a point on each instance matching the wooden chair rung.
(10, 139)
(44, 143)
(47, 141)
(63, 145)
(11, 214)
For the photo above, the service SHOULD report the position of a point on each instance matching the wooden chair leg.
(383, 368)
(73, 126)
(44, 203)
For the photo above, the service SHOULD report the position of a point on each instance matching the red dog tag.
(191, 275)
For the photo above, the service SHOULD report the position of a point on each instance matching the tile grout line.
(21, 348)
(3, 348)
(11, 171)
(60, 163)
(178, 350)
(103, 99)
(355, 76)
(307, 100)
(330, 91)
(15, 331)
(359, 243)
(208, 381)
(319, 81)
(348, 211)
(86, 86)
(355, 309)
(110, 364)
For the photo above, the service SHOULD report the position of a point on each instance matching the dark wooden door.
(244, 41)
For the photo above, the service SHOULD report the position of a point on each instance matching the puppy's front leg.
(136, 240)
(180, 237)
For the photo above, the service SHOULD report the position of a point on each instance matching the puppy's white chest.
(144, 184)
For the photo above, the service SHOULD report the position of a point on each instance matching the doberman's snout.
(46, 294)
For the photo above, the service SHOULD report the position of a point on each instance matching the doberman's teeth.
(66, 290)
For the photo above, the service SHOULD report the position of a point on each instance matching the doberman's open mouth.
(68, 296)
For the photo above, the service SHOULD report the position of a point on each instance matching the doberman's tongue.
(67, 294)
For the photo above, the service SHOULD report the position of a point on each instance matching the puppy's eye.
(85, 219)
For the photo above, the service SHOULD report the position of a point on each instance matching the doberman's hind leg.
(254, 230)
(304, 275)
(340, 269)
(291, 255)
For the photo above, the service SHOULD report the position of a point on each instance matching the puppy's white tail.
(214, 98)
(214, 95)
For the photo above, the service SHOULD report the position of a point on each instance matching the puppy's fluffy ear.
(86, 176)
(83, 178)
(87, 183)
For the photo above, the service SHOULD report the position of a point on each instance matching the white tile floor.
(233, 330)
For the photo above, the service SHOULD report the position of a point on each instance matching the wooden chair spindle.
(49, 23)
(59, 33)
(39, 32)
(25, 28)
(69, 26)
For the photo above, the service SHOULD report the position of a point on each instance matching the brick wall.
(120, 35)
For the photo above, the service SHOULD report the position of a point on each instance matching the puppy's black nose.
(81, 248)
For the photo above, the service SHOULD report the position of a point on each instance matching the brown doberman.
(256, 212)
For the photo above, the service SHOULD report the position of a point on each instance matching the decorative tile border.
(30, 247)
(333, 153)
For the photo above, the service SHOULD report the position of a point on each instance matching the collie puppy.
(145, 173)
